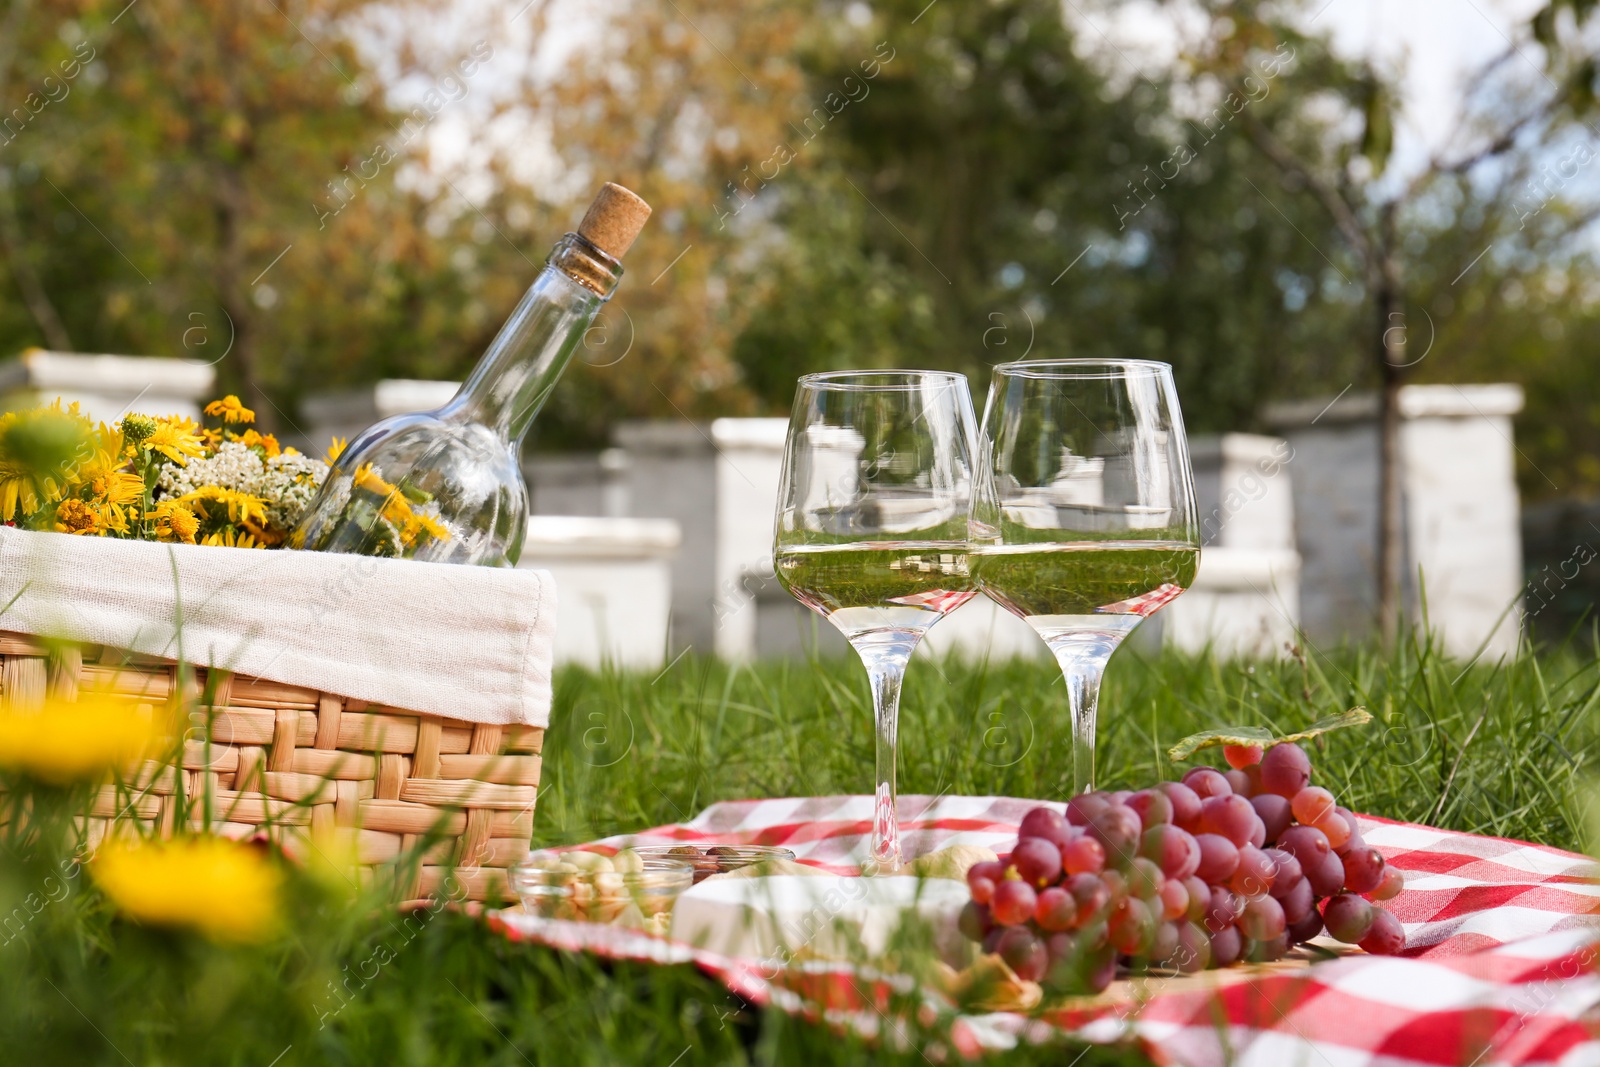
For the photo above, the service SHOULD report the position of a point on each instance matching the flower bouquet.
(154, 478)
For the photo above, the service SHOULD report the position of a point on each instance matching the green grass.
(1489, 749)
(1504, 750)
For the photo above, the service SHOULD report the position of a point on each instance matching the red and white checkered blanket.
(1500, 969)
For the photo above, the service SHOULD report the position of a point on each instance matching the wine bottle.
(447, 485)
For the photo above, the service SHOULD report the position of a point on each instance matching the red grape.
(1174, 899)
(1117, 828)
(1285, 769)
(1240, 783)
(1326, 875)
(1174, 849)
(1219, 858)
(1037, 861)
(1014, 902)
(1165, 943)
(1262, 919)
(1194, 949)
(1266, 951)
(1226, 945)
(1120, 796)
(1199, 898)
(1348, 917)
(1307, 928)
(1363, 869)
(1024, 953)
(1102, 972)
(1185, 804)
(1083, 807)
(1298, 902)
(1306, 844)
(1274, 813)
(991, 940)
(1152, 807)
(1355, 827)
(1334, 828)
(1223, 909)
(1060, 946)
(1285, 871)
(1083, 855)
(1089, 893)
(1115, 883)
(1231, 816)
(974, 922)
(1311, 804)
(981, 879)
(1042, 822)
(1207, 783)
(1241, 756)
(1387, 937)
(1144, 878)
(1056, 909)
(1389, 888)
(1133, 927)
(1255, 873)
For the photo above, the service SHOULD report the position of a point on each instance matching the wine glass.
(873, 512)
(1085, 521)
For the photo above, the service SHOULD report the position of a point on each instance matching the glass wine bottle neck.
(526, 358)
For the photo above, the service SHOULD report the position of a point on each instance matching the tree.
(1347, 175)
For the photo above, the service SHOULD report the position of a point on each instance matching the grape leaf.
(1261, 738)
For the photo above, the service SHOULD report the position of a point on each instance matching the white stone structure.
(1245, 601)
(613, 586)
(1463, 549)
(347, 412)
(107, 387)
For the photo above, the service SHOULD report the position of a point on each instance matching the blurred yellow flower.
(232, 539)
(241, 507)
(177, 439)
(231, 409)
(223, 889)
(416, 523)
(66, 742)
(335, 450)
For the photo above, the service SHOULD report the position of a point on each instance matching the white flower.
(287, 481)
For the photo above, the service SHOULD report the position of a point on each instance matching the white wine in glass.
(1085, 523)
(871, 533)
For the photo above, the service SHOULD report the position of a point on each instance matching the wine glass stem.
(1082, 655)
(885, 660)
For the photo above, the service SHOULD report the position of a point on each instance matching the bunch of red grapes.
(1186, 875)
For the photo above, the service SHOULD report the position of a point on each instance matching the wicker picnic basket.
(298, 761)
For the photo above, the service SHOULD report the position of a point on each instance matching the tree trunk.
(1389, 347)
(27, 279)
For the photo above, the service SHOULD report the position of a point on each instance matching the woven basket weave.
(303, 761)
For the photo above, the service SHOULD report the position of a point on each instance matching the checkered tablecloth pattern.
(1500, 968)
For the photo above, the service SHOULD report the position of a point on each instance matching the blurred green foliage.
(836, 184)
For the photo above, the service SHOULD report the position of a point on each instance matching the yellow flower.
(230, 409)
(223, 889)
(67, 742)
(177, 439)
(369, 480)
(335, 450)
(175, 522)
(241, 507)
(250, 438)
(76, 517)
(417, 523)
(229, 538)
